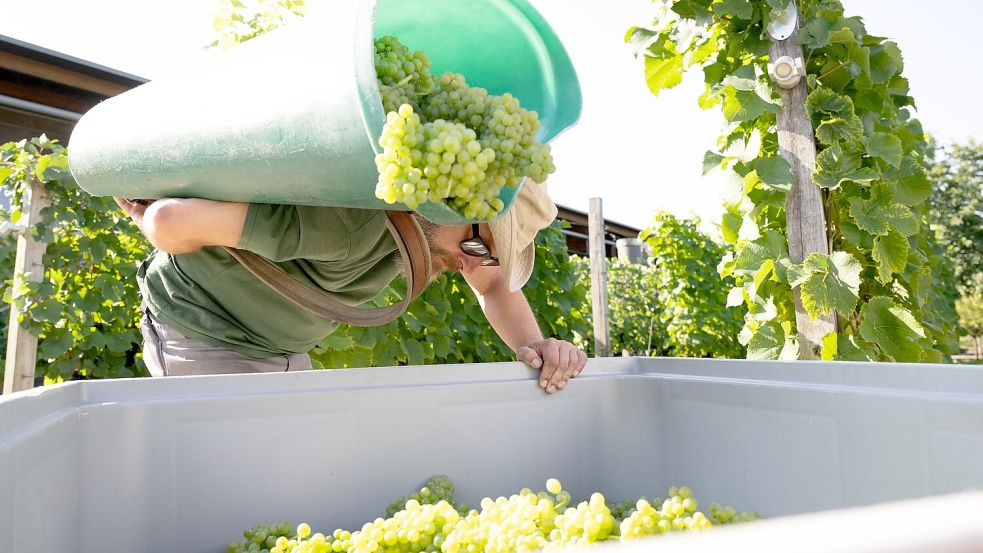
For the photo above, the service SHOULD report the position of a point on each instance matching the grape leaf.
(837, 129)
(661, 74)
(886, 147)
(878, 216)
(745, 105)
(775, 172)
(741, 9)
(851, 348)
(890, 253)
(893, 329)
(912, 186)
(834, 167)
(828, 283)
(822, 100)
(855, 52)
(768, 342)
(885, 62)
(711, 161)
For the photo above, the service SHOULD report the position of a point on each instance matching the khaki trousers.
(167, 352)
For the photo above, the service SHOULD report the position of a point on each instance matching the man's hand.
(134, 209)
(557, 360)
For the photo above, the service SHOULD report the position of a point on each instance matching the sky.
(637, 152)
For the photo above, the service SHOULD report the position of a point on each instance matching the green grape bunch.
(403, 75)
(438, 488)
(430, 520)
(445, 141)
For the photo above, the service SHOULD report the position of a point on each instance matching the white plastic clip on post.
(786, 71)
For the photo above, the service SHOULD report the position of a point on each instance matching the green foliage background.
(957, 210)
(886, 276)
(85, 308)
(675, 304)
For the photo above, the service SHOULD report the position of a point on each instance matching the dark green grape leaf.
(885, 62)
(741, 9)
(890, 253)
(912, 186)
(834, 167)
(837, 129)
(775, 172)
(886, 147)
(893, 329)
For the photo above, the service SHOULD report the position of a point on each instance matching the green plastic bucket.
(294, 116)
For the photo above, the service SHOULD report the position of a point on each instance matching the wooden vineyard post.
(22, 346)
(598, 279)
(804, 212)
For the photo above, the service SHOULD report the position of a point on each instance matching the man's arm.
(179, 226)
(509, 314)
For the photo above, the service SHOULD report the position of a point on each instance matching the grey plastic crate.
(185, 464)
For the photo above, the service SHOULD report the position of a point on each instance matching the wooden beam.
(22, 346)
(804, 212)
(598, 279)
(60, 75)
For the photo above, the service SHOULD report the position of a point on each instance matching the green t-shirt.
(209, 296)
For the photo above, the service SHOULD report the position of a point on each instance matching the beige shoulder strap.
(412, 244)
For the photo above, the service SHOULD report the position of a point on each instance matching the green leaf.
(898, 86)
(890, 253)
(834, 167)
(850, 348)
(833, 284)
(661, 74)
(838, 129)
(705, 50)
(441, 345)
(932, 356)
(912, 186)
(855, 52)
(767, 343)
(893, 329)
(823, 101)
(56, 345)
(775, 172)
(814, 33)
(877, 216)
(337, 341)
(903, 219)
(886, 147)
(754, 254)
(740, 9)
(711, 161)
(885, 62)
(730, 226)
(413, 350)
(745, 105)
(766, 269)
(692, 9)
(830, 342)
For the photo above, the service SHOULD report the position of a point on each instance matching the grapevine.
(885, 277)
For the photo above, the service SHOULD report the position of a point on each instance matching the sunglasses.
(476, 247)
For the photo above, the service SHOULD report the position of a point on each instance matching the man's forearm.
(510, 316)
